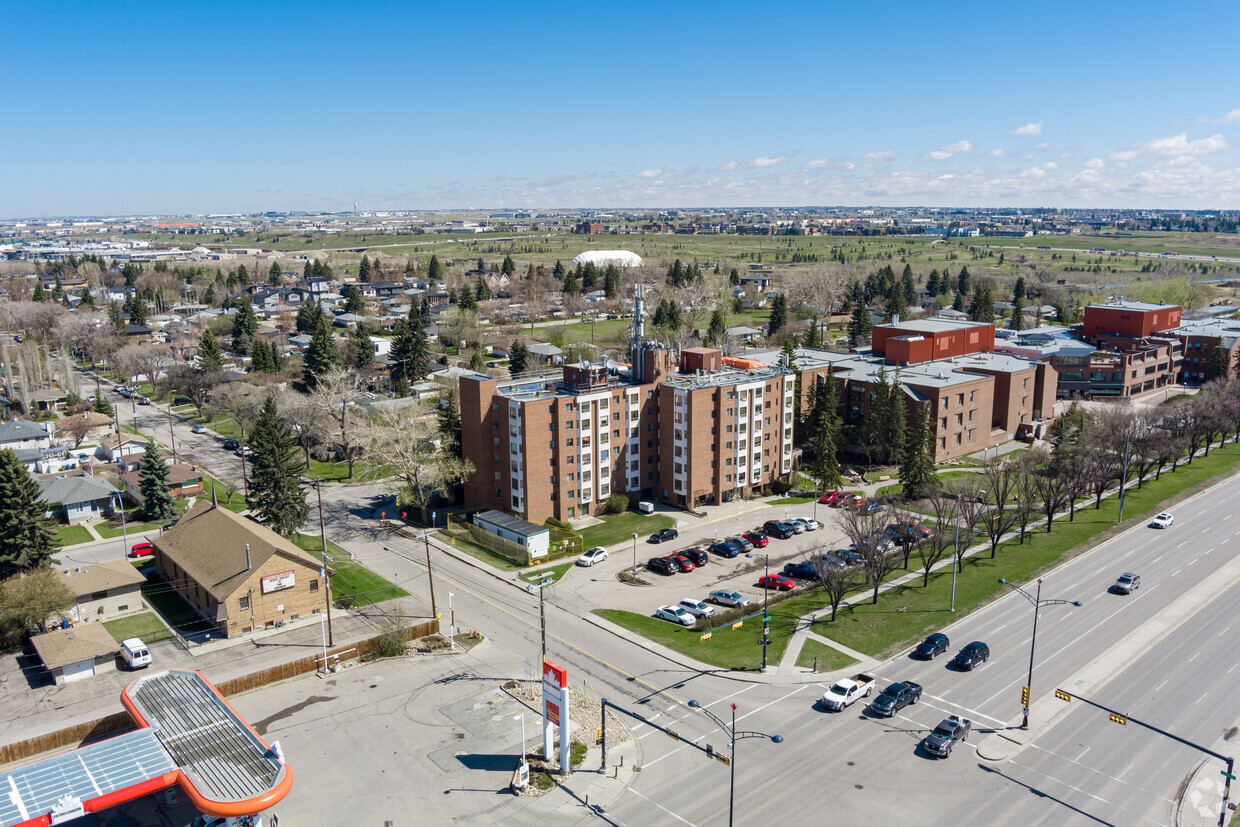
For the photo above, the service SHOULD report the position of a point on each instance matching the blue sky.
(225, 107)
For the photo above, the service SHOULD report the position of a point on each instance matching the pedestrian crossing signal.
(1024, 696)
(1061, 695)
(1119, 719)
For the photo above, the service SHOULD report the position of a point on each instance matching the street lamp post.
(956, 551)
(733, 737)
(451, 624)
(634, 554)
(1038, 603)
(766, 618)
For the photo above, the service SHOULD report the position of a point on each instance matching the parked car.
(972, 656)
(1163, 520)
(674, 614)
(182, 400)
(683, 562)
(758, 538)
(141, 550)
(231, 445)
(810, 523)
(830, 497)
(741, 543)
(896, 697)
(932, 647)
(662, 565)
(847, 556)
(847, 500)
(879, 544)
(776, 581)
(803, 570)
(907, 531)
(697, 608)
(699, 557)
(725, 549)
(663, 535)
(142, 400)
(244, 451)
(797, 525)
(1127, 583)
(595, 555)
(951, 730)
(199, 429)
(869, 507)
(777, 528)
(725, 597)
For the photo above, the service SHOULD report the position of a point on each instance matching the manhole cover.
(852, 763)
(858, 787)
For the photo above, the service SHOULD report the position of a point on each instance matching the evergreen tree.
(1217, 362)
(308, 316)
(307, 271)
(450, 426)
(157, 504)
(58, 292)
(571, 285)
(208, 298)
(932, 283)
(676, 274)
(825, 433)
(260, 357)
(958, 302)
(276, 494)
(87, 300)
(39, 294)
(779, 315)
(508, 267)
(611, 280)
(410, 350)
(859, 325)
(897, 427)
(274, 274)
(482, 290)
(559, 272)
(361, 351)
(465, 299)
(244, 326)
(210, 360)
(434, 270)
(982, 308)
(27, 534)
(320, 355)
(518, 357)
(243, 275)
(103, 406)
(917, 456)
(353, 302)
(813, 336)
(1017, 321)
(116, 318)
(962, 281)
(363, 270)
(896, 306)
(734, 278)
(589, 277)
(1020, 290)
(137, 310)
(717, 332)
(908, 286)
(477, 362)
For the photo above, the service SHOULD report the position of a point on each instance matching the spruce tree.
(859, 325)
(962, 281)
(157, 502)
(39, 294)
(813, 336)
(320, 356)
(897, 427)
(210, 360)
(27, 534)
(908, 286)
(1217, 362)
(361, 351)
(825, 433)
(274, 274)
(103, 406)
(1017, 321)
(276, 494)
(779, 315)
(87, 300)
(434, 270)
(958, 302)
(518, 357)
(363, 270)
(508, 267)
(450, 426)
(353, 302)
(917, 456)
(717, 332)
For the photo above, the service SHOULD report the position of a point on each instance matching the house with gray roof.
(78, 499)
(21, 434)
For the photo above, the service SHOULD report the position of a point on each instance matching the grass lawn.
(210, 484)
(460, 542)
(173, 609)
(352, 579)
(829, 659)
(557, 571)
(331, 471)
(793, 501)
(616, 528)
(145, 626)
(72, 535)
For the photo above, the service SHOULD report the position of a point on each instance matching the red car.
(777, 581)
(758, 538)
(684, 562)
(848, 501)
(830, 497)
(141, 550)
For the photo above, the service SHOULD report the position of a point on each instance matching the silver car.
(726, 597)
(697, 608)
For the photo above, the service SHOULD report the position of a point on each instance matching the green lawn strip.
(617, 528)
(71, 535)
(185, 410)
(329, 471)
(175, 611)
(145, 626)
(557, 572)
(459, 542)
(793, 501)
(726, 649)
(210, 484)
(828, 658)
(361, 584)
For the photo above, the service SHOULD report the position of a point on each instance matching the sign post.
(555, 712)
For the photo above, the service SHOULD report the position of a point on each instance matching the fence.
(564, 542)
(119, 722)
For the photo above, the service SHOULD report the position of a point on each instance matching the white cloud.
(731, 165)
(817, 163)
(1231, 117)
(1028, 129)
(1095, 163)
(883, 155)
(650, 173)
(948, 151)
(999, 152)
(760, 162)
(850, 166)
(1124, 155)
(1181, 145)
(1043, 146)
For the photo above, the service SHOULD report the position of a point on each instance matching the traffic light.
(1061, 695)
(1119, 719)
(1024, 696)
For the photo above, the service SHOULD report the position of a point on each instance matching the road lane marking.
(1057, 781)
(1193, 658)
(1126, 769)
(1156, 559)
(1233, 666)
(1161, 685)
(996, 630)
(1194, 560)
(718, 729)
(660, 806)
(1202, 698)
(1082, 755)
(1183, 544)
(1177, 571)
(973, 713)
(1220, 634)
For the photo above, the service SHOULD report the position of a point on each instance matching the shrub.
(617, 504)
(554, 523)
(393, 638)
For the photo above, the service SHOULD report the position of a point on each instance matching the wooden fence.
(119, 722)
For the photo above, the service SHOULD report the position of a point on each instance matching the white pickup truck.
(847, 690)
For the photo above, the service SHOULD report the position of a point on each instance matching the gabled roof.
(100, 577)
(209, 545)
(18, 429)
(70, 490)
(83, 642)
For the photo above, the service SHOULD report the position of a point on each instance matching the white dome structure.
(621, 258)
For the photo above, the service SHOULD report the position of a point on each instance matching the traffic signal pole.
(1123, 719)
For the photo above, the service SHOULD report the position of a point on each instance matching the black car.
(896, 697)
(777, 528)
(182, 400)
(231, 445)
(932, 647)
(972, 656)
(698, 556)
(663, 535)
(803, 570)
(724, 549)
(663, 565)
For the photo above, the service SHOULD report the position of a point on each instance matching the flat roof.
(937, 325)
(725, 377)
(100, 577)
(938, 374)
(511, 523)
(1127, 305)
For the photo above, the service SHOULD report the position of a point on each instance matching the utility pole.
(245, 483)
(318, 489)
(430, 574)
(766, 617)
(172, 435)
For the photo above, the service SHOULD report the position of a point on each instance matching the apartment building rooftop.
(727, 376)
(1130, 305)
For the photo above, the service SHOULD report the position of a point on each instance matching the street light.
(733, 737)
(956, 553)
(1038, 603)
(635, 554)
(451, 624)
(766, 617)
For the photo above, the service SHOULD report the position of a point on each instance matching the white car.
(810, 523)
(595, 555)
(724, 597)
(675, 614)
(1163, 520)
(697, 608)
(199, 429)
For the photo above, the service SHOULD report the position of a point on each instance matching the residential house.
(77, 652)
(21, 433)
(184, 480)
(49, 399)
(122, 446)
(102, 591)
(78, 499)
(95, 426)
(54, 460)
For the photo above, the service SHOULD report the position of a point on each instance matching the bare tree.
(334, 396)
(942, 539)
(195, 384)
(307, 420)
(999, 517)
(970, 511)
(836, 579)
(820, 289)
(403, 445)
(1050, 484)
(240, 401)
(77, 426)
(868, 533)
(1025, 495)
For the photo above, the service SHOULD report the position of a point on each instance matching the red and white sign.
(278, 582)
(555, 709)
(553, 713)
(555, 677)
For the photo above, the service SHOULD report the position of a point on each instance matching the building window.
(957, 439)
(245, 602)
(942, 442)
(571, 512)
(314, 585)
(971, 395)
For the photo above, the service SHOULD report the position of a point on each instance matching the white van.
(135, 653)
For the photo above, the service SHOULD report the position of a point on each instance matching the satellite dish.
(585, 364)
(610, 364)
(559, 360)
